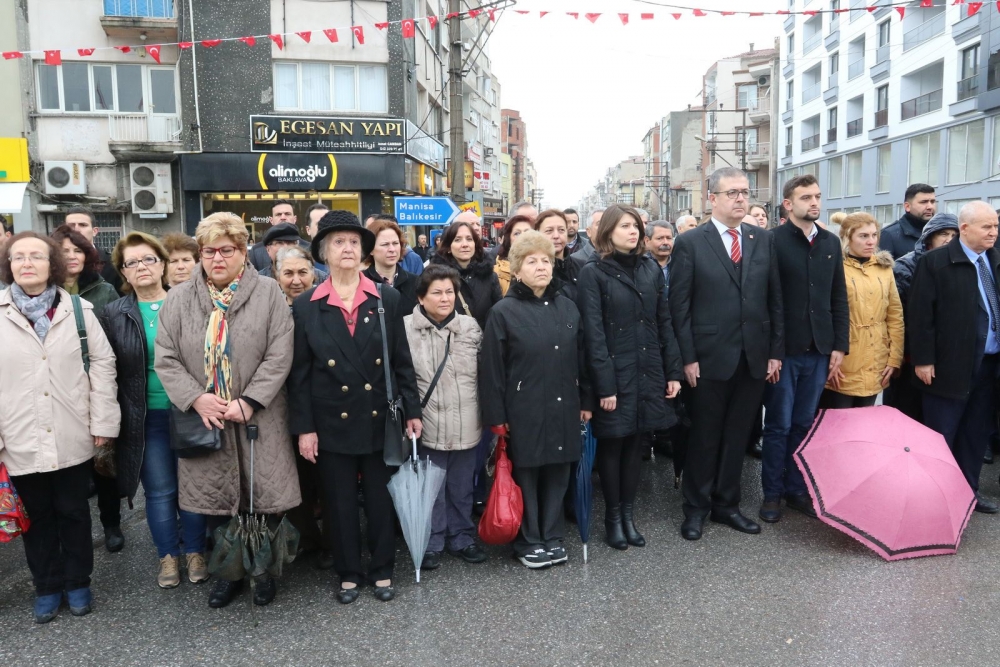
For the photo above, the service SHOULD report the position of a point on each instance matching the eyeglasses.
(34, 257)
(226, 251)
(733, 194)
(148, 260)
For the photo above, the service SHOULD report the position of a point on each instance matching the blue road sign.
(425, 210)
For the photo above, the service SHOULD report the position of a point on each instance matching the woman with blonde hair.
(513, 228)
(876, 329)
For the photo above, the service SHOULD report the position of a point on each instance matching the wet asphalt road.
(800, 593)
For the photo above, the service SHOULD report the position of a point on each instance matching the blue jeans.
(789, 411)
(159, 483)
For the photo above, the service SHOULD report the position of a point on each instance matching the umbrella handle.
(413, 437)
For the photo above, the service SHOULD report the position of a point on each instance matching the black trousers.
(303, 517)
(542, 489)
(109, 500)
(339, 485)
(834, 400)
(904, 395)
(721, 415)
(618, 461)
(58, 545)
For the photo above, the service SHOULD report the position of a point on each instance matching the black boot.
(223, 593)
(631, 534)
(613, 526)
(265, 588)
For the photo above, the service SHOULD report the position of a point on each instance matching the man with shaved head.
(952, 325)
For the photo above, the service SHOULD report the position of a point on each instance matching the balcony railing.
(831, 81)
(811, 43)
(854, 128)
(811, 92)
(758, 151)
(810, 143)
(140, 128)
(968, 87)
(920, 105)
(155, 9)
(834, 22)
(881, 118)
(788, 150)
(882, 54)
(831, 135)
(929, 28)
(856, 69)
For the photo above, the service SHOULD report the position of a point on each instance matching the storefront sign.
(283, 171)
(472, 206)
(321, 134)
(245, 172)
(493, 208)
(476, 153)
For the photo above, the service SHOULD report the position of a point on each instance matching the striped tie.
(734, 252)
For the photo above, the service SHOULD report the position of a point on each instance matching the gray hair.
(724, 172)
(685, 217)
(653, 225)
(518, 206)
(972, 210)
(642, 211)
(291, 252)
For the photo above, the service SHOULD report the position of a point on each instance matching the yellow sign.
(471, 206)
(14, 160)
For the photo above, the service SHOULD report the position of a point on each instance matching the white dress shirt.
(727, 238)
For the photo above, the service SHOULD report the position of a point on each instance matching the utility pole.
(456, 117)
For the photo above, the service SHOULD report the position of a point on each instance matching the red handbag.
(13, 518)
(501, 521)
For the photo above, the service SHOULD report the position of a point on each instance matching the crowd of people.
(709, 340)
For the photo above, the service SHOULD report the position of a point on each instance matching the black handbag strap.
(81, 330)
(385, 346)
(437, 375)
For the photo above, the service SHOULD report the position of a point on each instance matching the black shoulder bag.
(437, 374)
(395, 449)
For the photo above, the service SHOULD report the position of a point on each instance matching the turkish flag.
(278, 41)
(432, 21)
(492, 13)
(211, 43)
(809, 13)
(306, 35)
(521, 11)
(842, 11)
(331, 34)
(184, 45)
(541, 15)
(408, 28)
(593, 17)
(624, 18)
(451, 15)
(249, 41)
(698, 12)
(926, 3)
(359, 33)
(53, 58)
(11, 55)
(124, 49)
(676, 16)
(902, 11)
(473, 13)
(381, 26)
(756, 14)
(646, 17)
(974, 7)
(85, 52)
(871, 9)
(154, 52)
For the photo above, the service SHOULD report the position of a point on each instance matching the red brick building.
(514, 142)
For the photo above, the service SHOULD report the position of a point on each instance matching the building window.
(318, 86)
(836, 188)
(101, 88)
(925, 154)
(831, 124)
(883, 214)
(882, 106)
(834, 16)
(968, 84)
(965, 152)
(955, 205)
(883, 170)
(159, 9)
(882, 52)
(746, 97)
(834, 70)
(791, 47)
(110, 224)
(788, 141)
(853, 185)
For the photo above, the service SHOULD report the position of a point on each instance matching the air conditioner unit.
(764, 81)
(65, 177)
(151, 187)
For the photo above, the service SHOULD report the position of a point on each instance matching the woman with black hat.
(339, 397)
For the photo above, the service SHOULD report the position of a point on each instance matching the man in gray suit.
(725, 300)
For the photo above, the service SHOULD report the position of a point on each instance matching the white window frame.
(847, 174)
(883, 167)
(925, 176)
(835, 169)
(330, 64)
(147, 89)
(966, 177)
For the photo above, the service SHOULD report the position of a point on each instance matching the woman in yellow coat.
(876, 351)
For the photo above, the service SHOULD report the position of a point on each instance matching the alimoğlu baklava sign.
(325, 134)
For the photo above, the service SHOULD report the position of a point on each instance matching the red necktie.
(734, 252)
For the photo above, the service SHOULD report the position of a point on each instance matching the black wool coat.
(630, 344)
(337, 385)
(405, 283)
(480, 287)
(532, 377)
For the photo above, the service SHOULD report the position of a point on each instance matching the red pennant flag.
(183, 46)
(306, 35)
(842, 11)
(331, 34)
(926, 3)
(676, 16)
(432, 21)
(11, 55)
(871, 9)
(211, 43)
(575, 15)
(124, 49)
(809, 13)
(521, 11)
(646, 17)
(902, 12)
(782, 12)
(278, 41)
(756, 14)
(53, 58)
(85, 52)
(974, 7)
(624, 18)
(473, 13)
(492, 14)
(541, 15)
(451, 15)
(359, 33)
(593, 17)
(154, 52)
(381, 26)
(698, 12)
(408, 28)
(959, 2)
(731, 13)
(249, 40)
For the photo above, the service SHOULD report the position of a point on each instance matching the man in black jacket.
(725, 299)
(920, 205)
(817, 320)
(81, 219)
(952, 327)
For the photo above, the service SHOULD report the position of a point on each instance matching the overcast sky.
(589, 92)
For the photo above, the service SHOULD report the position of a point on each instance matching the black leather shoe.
(632, 535)
(985, 505)
(988, 456)
(385, 593)
(770, 511)
(613, 526)
(736, 521)
(478, 508)
(431, 561)
(802, 504)
(223, 593)
(324, 560)
(756, 449)
(691, 528)
(114, 541)
(348, 595)
(265, 588)
(470, 554)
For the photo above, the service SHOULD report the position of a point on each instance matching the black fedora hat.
(341, 221)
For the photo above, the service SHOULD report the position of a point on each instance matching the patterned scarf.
(35, 307)
(218, 370)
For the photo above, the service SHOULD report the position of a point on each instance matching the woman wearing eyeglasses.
(231, 372)
(142, 450)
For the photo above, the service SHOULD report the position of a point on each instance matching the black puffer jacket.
(565, 275)
(480, 287)
(122, 324)
(405, 283)
(631, 349)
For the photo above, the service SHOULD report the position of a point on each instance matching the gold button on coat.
(378, 362)
(331, 363)
(343, 415)
(368, 387)
(374, 413)
(344, 389)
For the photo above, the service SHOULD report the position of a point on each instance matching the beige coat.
(876, 325)
(50, 410)
(451, 418)
(261, 335)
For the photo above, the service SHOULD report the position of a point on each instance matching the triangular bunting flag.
(249, 40)
(731, 13)
(676, 16)
(432, 21)
(306, 35)
(593, 17)
(926, 3)
(359, 33)
(183, 46)
(154, 52)
(211, 43)
(755, 14)
(492, 13)
(541, 15)
(575, 15)
(278, 41)
(809, 13)
(974, 7)
(782, 12)
(623, 18)
(646, 17)
(53, 58)
(124, 49)
(85, 52)
(381, 26)
(451, 15)
(698, 12)
(12, 55)
(473, 13)
(408, 28)
(842, 11)
(331, 34)
(901, 10)
(871, 9)
(521, 11)
(959, 2)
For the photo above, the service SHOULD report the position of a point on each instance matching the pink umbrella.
(887, 481)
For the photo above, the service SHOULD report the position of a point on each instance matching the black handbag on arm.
(188, 436)
(395, 450)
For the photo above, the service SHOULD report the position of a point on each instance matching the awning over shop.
(12, 197)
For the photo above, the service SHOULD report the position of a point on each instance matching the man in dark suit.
(952, 327)
(725, 298)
